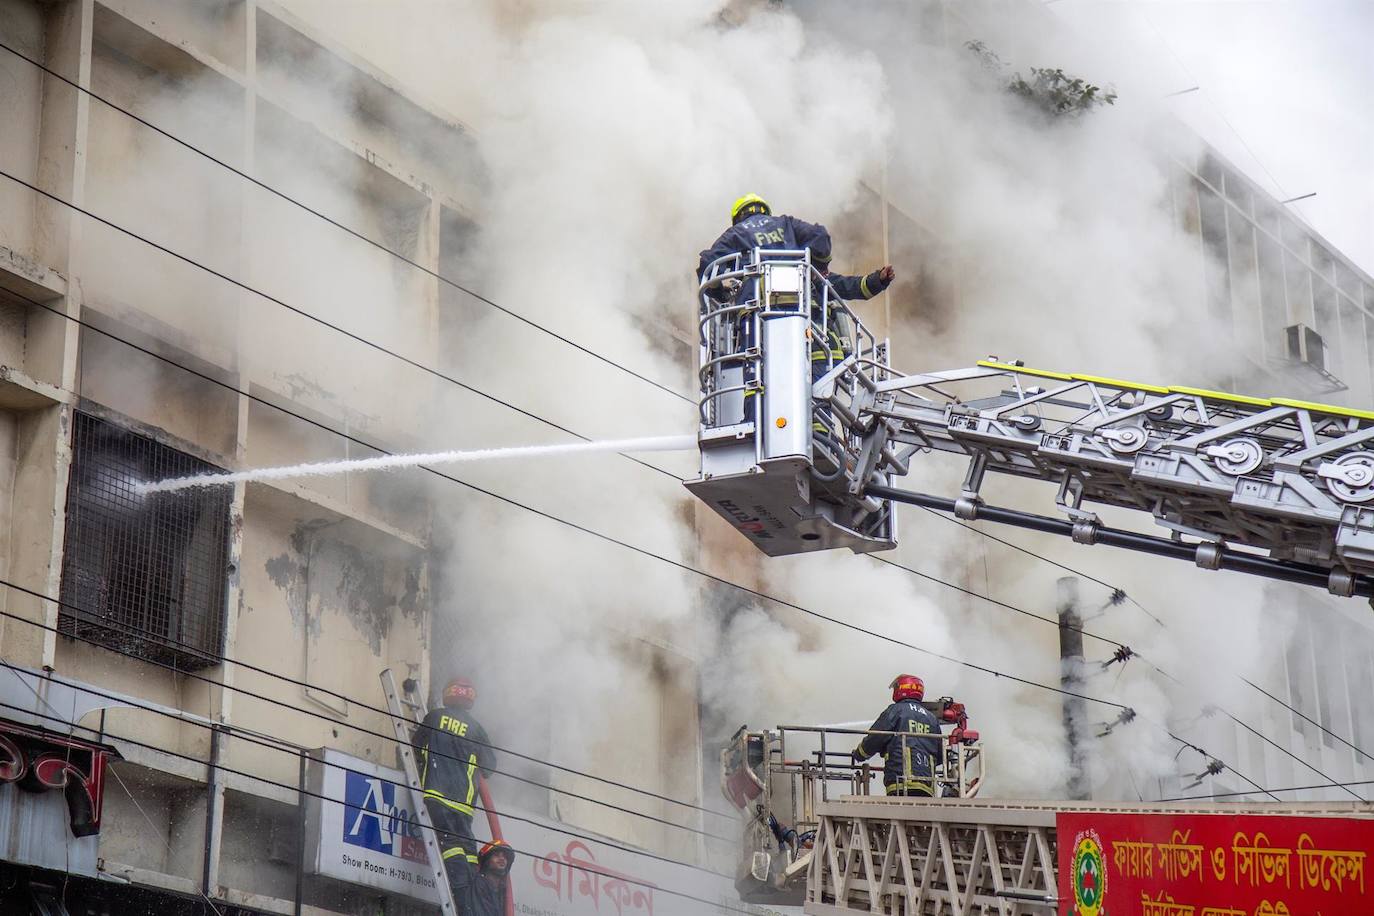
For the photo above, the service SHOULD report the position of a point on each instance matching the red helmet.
(492, 847)
(460, 693)
(908, 687)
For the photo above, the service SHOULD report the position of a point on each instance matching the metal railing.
(732, 308)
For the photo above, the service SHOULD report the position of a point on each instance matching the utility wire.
(1357, 749)
(341, 226)
(296, 752)
(113, 772)
(351, 335)
(437, 373)
(1044, 559)
(1313, 788)
(990, 600)
(1263, 737)
(358, 728)
(579, 527)
(365, 444)
(407, 821)
(624, 544)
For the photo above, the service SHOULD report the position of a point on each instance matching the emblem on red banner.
(1089, 875)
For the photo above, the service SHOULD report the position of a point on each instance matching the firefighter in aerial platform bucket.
(850, 288)
(486, 895)
(753, 225)
(909, 757)
(452, 747)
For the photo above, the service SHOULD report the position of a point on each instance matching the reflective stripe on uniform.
(436, 795)
(911, 784)
(472, 782)
(863, 287)
(459, 851)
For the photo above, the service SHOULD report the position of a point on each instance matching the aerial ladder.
(777, 780)
(805, 428)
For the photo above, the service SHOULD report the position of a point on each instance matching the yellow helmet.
(748, 205)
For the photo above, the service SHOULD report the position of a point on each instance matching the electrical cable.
(582, 528)
(585, 350)
(358, 728)
(270, 745)
(1044, 559)
(339, 225)
(397, 817)
(366, 342)
(649, 553)
(1357, 749)
(1002, 604)
(351, 335)
(1327, 785)
(1258, 734)
(361, 442)
(389, 352)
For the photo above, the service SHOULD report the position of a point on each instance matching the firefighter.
(865, 287)
(836, 345)
(908, 762)
(452, 747)
(486, 896)
(753, 225)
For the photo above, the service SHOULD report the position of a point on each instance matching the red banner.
(1213, 865)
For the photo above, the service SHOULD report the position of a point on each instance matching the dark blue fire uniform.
(908, 758)
(763, 230)
(452, 747)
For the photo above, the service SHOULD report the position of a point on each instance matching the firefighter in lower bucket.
(452, 747)
(908, 757)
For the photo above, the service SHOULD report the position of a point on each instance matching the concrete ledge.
(19, 392)
(25, 276)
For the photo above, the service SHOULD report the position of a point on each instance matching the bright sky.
(1287, 92)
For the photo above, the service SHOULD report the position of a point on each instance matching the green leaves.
(1051, 90)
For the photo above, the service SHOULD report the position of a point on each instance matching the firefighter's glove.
(880, 279)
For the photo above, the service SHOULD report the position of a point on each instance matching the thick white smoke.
(613, 136)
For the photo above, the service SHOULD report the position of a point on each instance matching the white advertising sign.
(367, 841)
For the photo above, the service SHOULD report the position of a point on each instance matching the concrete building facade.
(124, 362)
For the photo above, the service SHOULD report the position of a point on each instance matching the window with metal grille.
(143, 573)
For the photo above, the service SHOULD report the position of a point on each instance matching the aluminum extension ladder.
(403, 722)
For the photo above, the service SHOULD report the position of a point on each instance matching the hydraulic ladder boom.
(1274, 487)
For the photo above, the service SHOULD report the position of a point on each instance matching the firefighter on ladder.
(452, 747)
(909, 756)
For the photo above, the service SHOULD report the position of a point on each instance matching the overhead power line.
(358, 441)
(627, 545)
(285, 747)
(409, 822)
(391, 739)
(430, 370)
(340, 225)
(508, 500)
(338, 329)
(1312, 788)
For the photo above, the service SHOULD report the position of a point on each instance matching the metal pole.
(300, 835)
(1255, 565)
(211, 787)
(1071, 679)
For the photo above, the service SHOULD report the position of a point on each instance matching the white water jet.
(388, 462)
